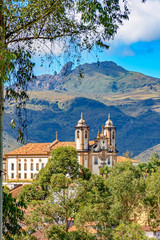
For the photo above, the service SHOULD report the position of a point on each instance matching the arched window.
(77, 134)
(85, 134)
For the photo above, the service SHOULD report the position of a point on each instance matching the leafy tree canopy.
(12, 216)
(130, 231)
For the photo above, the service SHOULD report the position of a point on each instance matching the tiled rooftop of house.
(124, 159)
(30, 148)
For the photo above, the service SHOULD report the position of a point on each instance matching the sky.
(136, 47)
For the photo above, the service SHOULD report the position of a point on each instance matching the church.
(26, 161)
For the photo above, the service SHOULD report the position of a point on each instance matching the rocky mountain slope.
(103, 77)
(133, 101)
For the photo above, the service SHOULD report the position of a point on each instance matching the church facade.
(23, 163)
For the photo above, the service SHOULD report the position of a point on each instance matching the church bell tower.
(110, 132)
(82, 135)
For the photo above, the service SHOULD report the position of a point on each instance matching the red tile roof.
(15, 191)
(64, 144)
(124, 159)
(41, 148)
(30, 149)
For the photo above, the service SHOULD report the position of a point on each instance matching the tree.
(31, 192)
(152, 198)
(151, 166)
(12, 216)
(130, 231)
(127, 188)
(63, 161)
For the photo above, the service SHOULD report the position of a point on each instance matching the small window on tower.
(113, 135)
(85, 134)
(77, 134)
(95, 160)
(109, 161)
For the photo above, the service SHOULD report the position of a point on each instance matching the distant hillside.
(135, 134)
(145, 156)
(103, 77)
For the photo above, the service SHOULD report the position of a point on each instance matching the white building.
(23, 163)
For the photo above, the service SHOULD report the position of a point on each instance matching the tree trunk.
(1, 153)
(2, 47)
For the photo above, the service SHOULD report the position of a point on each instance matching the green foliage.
(85, 173)
(98, 201)
(56, 232)
(6, 189)
(12, 215)
(152, 198)
(31, 192)
(127, 189)
(131, 231)
(151, 166)
(63, 161)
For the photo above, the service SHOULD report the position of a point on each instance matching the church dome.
(81, 122)
(109, 123)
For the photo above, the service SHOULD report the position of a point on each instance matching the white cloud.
(143, 24)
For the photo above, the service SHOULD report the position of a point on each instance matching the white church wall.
(85, 138)
(85, 160)
(103, 143)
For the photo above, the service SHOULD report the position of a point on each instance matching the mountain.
(94, 89)
(103, 77)
(145, 156)
(45, 117)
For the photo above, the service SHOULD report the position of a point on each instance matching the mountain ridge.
(132, 101)
(88, 78)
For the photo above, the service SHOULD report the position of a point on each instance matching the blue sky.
(136, 46)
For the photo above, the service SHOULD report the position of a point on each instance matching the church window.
(19, 175)
(42, 165)
(103, 157)
(19, 166)
(85, 134)
(31, 175)
(109, 161)
(113, 135)
(12, 166)
(95, 160)
(37, 166)
(12, 175)
(25, 166)
(31, 166)
(25, 175)
(77, 134)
